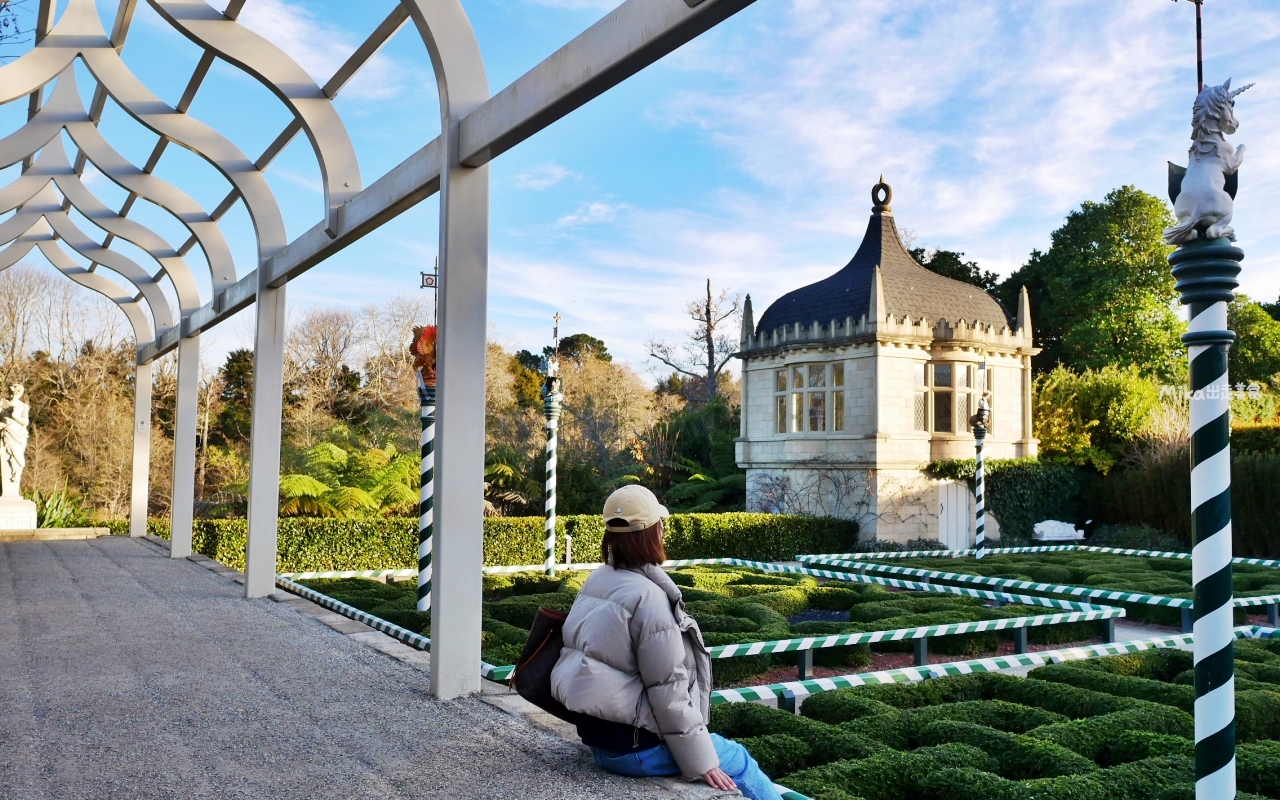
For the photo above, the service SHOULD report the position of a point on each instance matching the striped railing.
(415, 640)
(916, 674)
(1031, 586)
(908, 634)
(991, 551)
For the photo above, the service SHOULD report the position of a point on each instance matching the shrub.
(1257, 715)
(1070, 701)
(1183, 697)
(1159, 495)
(1137, 745)
(927, 693)
(1258, 768)
(996, 714)
(309, 544)
(890, 775)
(843, 705)
(778, 754)
(826, 743)
(1018, 757)
(1090, 737)
(520, 610)
(839, 598)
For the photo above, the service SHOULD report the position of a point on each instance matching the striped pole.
(551, 406)
(1206, 272)
(426, 495)
(979, 516)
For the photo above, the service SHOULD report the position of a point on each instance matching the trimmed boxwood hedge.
(999, 737)
(314, 544)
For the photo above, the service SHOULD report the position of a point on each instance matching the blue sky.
(746, 157)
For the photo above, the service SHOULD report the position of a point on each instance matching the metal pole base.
(806, 665)
(1020, 641)
(921, 647)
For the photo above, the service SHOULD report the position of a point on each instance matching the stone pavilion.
(853, 384)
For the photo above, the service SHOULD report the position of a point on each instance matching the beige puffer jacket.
(632, 655)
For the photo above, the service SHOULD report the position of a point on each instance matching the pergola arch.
(475, 128)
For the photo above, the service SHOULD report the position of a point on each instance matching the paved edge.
(498, 695)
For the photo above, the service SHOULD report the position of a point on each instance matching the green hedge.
(1021, 492)
(1160, 496)
(312, 544)
(1183, 697)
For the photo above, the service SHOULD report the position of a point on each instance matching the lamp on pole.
(551, 404)
(979, 424)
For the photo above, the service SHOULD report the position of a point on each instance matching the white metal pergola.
(475, 128)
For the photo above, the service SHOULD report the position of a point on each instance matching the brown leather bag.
(532, 676)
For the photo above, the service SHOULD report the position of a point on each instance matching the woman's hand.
(718, 779)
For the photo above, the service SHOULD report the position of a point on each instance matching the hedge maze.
(1151, 588)
(1114, 728)
(1088, 726)
(740, 607)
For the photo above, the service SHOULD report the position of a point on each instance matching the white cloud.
(310, 183)
(592, 213)
(991, 121)
(543, 176)
(320, 48)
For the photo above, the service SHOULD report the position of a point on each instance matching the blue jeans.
(736, 762)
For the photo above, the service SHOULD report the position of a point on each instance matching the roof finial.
(881, 204)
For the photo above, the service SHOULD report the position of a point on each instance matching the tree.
(1272, 308)
(1255, 354)
(1092, 416)
(709, 347)
(950, 264)
(11, 30)
(236, 417)
(580, 346)
(1103, 294)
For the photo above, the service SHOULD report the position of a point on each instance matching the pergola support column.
(141, 489)
(456, 588)
(185, 417)
(264, 444)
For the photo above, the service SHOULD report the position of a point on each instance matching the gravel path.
(124, 674)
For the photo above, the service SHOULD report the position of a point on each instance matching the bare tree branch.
(707, 350)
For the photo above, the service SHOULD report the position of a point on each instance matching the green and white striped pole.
(979, 489)
(551, 398)
(1206, 272)
(426, 492)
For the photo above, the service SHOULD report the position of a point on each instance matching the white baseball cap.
(635, 504)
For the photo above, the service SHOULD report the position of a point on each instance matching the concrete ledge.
(495, 694)
(51, 534)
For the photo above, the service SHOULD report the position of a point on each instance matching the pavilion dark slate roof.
(908, 289)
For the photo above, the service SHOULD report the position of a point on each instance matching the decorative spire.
(748, 323)
(1024, 313)
(876, 311)
(881, 204)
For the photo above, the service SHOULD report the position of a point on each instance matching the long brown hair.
(633, 549)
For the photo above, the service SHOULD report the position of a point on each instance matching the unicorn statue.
(1203, 192)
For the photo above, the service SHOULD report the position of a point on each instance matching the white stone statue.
(1203, 193)
(15, 416)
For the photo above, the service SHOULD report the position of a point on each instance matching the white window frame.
(797, 399)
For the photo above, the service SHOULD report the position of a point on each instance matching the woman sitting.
(634, 663)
